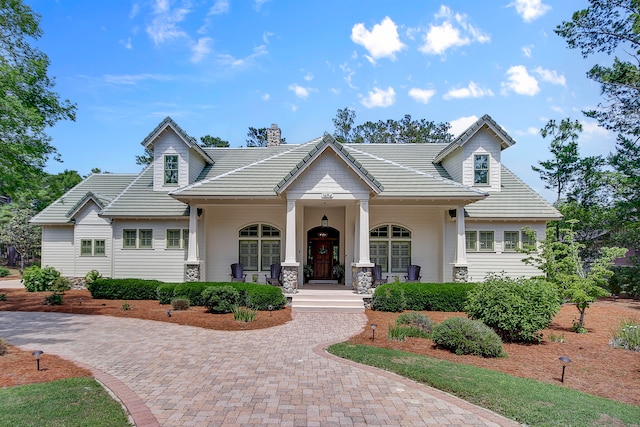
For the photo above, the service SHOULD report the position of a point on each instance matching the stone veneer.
(192, 273)
(460, 274)
(289, 279)
(362, 279)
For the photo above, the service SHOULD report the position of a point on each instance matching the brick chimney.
(273, 135)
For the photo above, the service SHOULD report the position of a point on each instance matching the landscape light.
(565, 362)
(37, 354)
(373, 331)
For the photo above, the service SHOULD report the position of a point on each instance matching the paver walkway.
(279, 376)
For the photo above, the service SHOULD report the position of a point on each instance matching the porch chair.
(237, 273)
(413, 273)
(274, 275)
(377, 276)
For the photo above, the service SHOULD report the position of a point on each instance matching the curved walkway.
(279, 376)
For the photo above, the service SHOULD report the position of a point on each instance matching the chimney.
(273, 135)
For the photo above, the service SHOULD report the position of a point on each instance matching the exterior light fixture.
(270, 309)
(80, 300)
(565, 362)
(373, 331)
(37, 354)
(169, 313)
(325, 221)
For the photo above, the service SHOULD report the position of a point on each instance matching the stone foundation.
(192, 273)
(460, 274)
(289, 279)
(363, 279)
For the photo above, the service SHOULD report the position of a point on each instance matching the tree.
(20, 234)
(213, 141)
(559, 172)
(146, 158)
(257, 137)
(29, 104)
(343, 122)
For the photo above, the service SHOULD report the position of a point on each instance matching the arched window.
(390, 247)
(259, 247)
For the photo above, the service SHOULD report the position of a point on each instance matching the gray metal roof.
(190, 141)
(102, 187)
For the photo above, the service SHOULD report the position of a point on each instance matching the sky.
(218, 67)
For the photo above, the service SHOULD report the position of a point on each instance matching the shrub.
(91, 277)
(61, 284)
(436, 296)
(166, 293)
(192, 291)
(4, 272)
(516, 309)
(418, 320)
(180, 304)
(465, 336)
(220, 299)
(125, 306)
(130, 289)
(627, 335)
(625, 280)
(397, 333)
(260, 297)
(38, 279)
(4, 347)
(244, 314)
(388, 298)
(53, 299)
(3, 297)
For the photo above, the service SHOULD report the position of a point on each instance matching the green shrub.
(130, 289)
(3, 297)
(465, 336)
(53, 299)
(61, 284)
(4, 272)
(166, 293)
(388, 298)
(516, 309)
(397, 333)
(125, 306)
(192, 291)
(220, 299)
(260, 297)
(244, 314)
(91, 277)
(625, 280)
(4, 347)
(38, 279)
(425, 296)
(627, 335)
(417, 320)
(180, 304)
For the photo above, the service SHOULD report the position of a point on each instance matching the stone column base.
(460, 273)
(363, 279)
(192, 272)
(289, 279)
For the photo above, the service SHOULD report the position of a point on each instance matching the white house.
(453, 209)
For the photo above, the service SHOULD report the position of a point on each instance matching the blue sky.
(218, 67)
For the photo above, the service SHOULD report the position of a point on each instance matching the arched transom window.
(390, 247)
(259, 247)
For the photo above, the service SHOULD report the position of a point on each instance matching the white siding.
(169, 143)
(57, 248)
(196, 164)
(449, 250)
(157, 263)
(453, 164)
(89, 226)
(482, 143)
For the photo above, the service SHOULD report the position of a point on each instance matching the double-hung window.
(171, 169)
(133, 238)
(486, 241)
(511, 241)
(95, 247)
(481, 169)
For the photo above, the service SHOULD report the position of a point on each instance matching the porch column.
(192, 265)
(363, 235)
(290, 265)
(460, 269)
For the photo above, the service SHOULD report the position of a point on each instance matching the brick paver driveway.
(279, 376)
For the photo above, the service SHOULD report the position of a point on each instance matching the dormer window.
(481, 169)
(171, 169)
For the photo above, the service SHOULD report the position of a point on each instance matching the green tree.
(20, 234)
(213, 141)
(257, 137)
(146, 158)
(343, 122)
(29, 104)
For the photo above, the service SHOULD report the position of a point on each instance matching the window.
(146, 239)
(529, 240)
(471, 238)
(481, 169)
(99, 248)
(173, 239)
(86, 247)
(259, 247)
(486, 240)
(129, 238)
(390, 247)
(511, 240)
(171, 169)
(185, 238)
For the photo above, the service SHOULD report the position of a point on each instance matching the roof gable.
(483, 122)
(189, 141)
(101, 202)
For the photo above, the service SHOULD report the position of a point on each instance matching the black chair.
(413, 273)
(274, 275)
(377, 276)
(237, 273)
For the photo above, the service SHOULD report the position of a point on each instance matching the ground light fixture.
(373, 331)
(37, 354)
(270, 309)
(169, 313)
(565, 362)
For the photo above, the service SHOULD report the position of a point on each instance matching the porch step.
(343, 300)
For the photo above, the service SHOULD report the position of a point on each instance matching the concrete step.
(327, 301)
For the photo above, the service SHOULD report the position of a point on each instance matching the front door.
(322, 257)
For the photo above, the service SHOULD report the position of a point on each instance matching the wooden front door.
(322, 254)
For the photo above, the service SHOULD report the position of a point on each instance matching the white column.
(356, 235)
(290, 243)
(461, 245)
(192, 250)
(363, 236)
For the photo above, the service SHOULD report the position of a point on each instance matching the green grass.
(64, 403)
(527, 401)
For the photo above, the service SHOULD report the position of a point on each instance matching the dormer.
(473, 158)
(177, 158)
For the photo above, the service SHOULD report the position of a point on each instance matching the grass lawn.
(70, 402)
(527, 401)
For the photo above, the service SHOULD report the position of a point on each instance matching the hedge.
(422, 296)
(128, 289)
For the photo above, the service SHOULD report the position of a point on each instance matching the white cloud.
(308, 77)
(127, 43)
(471, 91)
(421, 95)
(520, 81)
(265, 37)
(300, 91)
(133, 79)
(551, 76)
(348, 75)
(164, 25)
(219, 7)
(593, 130)
(257, 5)
(557, 109)
(461, 124)
(229, 60)
(135, 9)
(527, 50)
(381, 42)
(379, 98)
(265, 97)
(201, 49)
(454, 30)
(530, 10)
